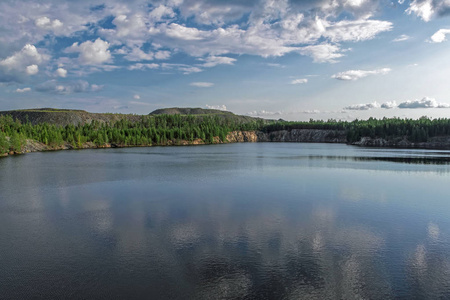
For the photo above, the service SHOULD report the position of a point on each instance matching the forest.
(150, 130)
(172, 129)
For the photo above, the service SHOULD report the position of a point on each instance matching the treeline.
(171, 129)
(150, 130)
(387, 128)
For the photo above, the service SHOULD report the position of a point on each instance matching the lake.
(235, 221)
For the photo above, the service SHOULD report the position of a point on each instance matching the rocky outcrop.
(244, 136)
(294, 136)
(308, 136)
(439, 142)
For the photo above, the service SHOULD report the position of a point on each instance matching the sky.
(289, 59)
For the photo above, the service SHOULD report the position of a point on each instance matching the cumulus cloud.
(46, 23)
(142, 29)
(79, 86)
(440, 36)
(402, 38)
(366, 106)
(358, 74)
(299, 81)
(427, 9)
(212, 61)
(61, 72)
(24, 90)
(32, 69)
(202, 84)
(29, 55)
(91, 53)
(426, 102)
(219, 107)
(23, 62)
(389, 105)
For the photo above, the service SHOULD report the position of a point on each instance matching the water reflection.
(239, 226)
(441, 160)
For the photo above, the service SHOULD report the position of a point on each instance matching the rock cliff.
(295, 136)
(439, 142)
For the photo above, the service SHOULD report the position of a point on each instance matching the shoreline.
(293, 136)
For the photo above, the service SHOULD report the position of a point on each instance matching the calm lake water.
(238, 221)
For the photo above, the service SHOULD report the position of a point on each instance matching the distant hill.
(63, 117)
(188, 111)
(202, 112)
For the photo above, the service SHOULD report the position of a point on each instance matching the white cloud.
(218, 107)
(426, 102)
(311, 112)
(423, 9)
(160, 12)
(137, 97)
(322, 53)
(162, 55)
(181, 32)
(79, 86)
(92, 53)
(212, 61)
(46, 23)
(358, 74)
(299, 81)
(24, 90)
(32, 69)
(185, 69)
(366, 106)
(129, 26)
(143, 67)
(61, 72)
(389, 105)
(356, 30)
(402, 38)
(262, 113)
(202, 84)
(427, 9)
(440, 36)
(22, 59)
(136, 54)
(254, 27)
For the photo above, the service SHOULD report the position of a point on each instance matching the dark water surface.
(239, 221)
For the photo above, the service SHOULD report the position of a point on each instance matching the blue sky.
(289, 59)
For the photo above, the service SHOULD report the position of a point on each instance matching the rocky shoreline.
(282, 136)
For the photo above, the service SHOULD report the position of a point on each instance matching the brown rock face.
(242, 137)
(295, 135)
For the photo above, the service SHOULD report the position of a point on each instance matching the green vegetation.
(387, 128)
(163, 129)
(150, 130)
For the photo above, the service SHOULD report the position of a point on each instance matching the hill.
(63, 117)
(199, 112)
